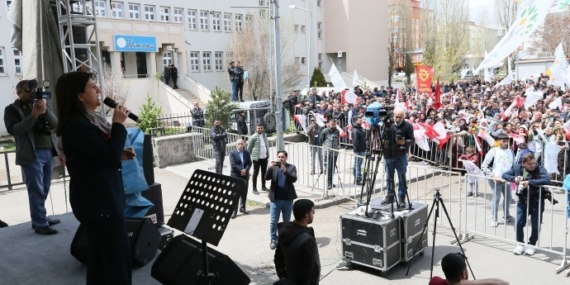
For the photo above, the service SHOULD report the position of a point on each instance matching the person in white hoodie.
(499, 160)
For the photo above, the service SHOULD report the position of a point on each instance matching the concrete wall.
(174, 149)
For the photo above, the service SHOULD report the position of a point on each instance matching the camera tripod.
(436, 203)
(335, 168)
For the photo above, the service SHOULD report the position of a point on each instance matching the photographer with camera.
(529, 176)
(399, 137)
(31, 121)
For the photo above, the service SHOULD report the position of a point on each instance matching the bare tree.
(401, 33)
(446, 39)
(555, 30)
(114, 87)
(252, 48)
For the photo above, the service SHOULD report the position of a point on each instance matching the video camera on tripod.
(377, 114)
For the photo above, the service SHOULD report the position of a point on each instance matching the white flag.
(336, 79)
(532, 98)
(530, 16)
(472, 169)
(507, 80)
(421, 139)
(558, 72)
(551, 157)
(320, 119)
(354, 79)
(557, 103)
(464, 72)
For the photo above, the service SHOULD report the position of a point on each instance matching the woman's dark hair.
(67, 88)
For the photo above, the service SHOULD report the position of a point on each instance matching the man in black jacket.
(174, 75)
(359, 148)
(529, 176)
(330, 141)
(219, 139)
(395, 156)
(242, 126)
(297, 255)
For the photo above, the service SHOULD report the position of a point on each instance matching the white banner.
(558, 69)
(530, 16)
(557, 103)
(421, 139)
(507, 80)
(551, 157)
(354, 79)
(336, 79)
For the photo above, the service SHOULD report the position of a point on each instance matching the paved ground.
(246, 240)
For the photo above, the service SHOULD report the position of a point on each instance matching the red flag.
(516, 103)
(437, 102)
(430, 132)
(348, 97)
(477, 142)
(424, 77)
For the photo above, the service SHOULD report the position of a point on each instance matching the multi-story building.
(138, 38)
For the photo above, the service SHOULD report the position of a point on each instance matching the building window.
(229, 56)
(303, 29)
(204, 21)
(206, 61)
(194, 61)
(262, 13)
(164, 14)
(178, 12)
(262, 3)
(319, 4)
(100, 8)
(149, 12)
(303, 60)
(296, 60)
(228, 22)
(18, 61)
(134, 11)
(2, 64)
(248, 19)
(217, 22)
(296, 29)
(117, 9)
(239, 18)
(320, 56)
(167, 58)
(320, 65)
(8, 3)
(192, 19)
(218, 60)
(320, 35)
(319, 25)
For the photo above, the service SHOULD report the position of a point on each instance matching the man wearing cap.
(499, 160)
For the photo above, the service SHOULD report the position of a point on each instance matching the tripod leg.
(421, 236)
(456, 237)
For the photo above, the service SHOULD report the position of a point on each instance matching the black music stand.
(205, 208)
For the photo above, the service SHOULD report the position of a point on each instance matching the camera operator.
(330, 141)
(399, 137)
(529, 177)
(31, 122)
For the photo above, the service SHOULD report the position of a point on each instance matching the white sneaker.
(509, 219)
(494, 224)
(519, 249)
(529, 250)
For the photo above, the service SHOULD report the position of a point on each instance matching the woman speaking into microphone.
(94, 148)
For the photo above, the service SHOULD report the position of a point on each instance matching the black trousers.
(242, 193)
(174, 79)
(260, 163)
(240, 90)
(109, 252)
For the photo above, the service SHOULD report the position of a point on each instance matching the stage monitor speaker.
(144, 239)
(180, 263)
(148, 159)
(156, 212)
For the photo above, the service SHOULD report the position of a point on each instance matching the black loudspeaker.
(180, 263)
(156, 213)
(148, 159)
(144, 240)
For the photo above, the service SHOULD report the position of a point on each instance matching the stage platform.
(30, 258)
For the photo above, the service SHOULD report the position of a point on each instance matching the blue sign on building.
(133, 43)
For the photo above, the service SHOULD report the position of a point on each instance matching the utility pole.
(278, 102)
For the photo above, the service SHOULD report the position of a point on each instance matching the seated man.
(455, 269)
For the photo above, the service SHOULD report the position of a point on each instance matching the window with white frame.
(229, 57)
(206, 61)
(134, 11)
(319, 25)
(262, 13)
(296, 28)
(191, 15)
(117, 9)
(194, 61)
(320, 35)
(218, 60)
(167, 58)
(228, 22)
(149, 12)
(303, 29)
(8, 3)
(303, 60)
(18, 61)
(262, 3)
(164, 14)
(2, 63)
(178, 14)
(239, 19)
(319, 3)
(204, 21)
(100, 9)
(248, 19)
(217, 22)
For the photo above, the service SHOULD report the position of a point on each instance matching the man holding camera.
(529, 177)
(395, 156)
(330, 141)
(31, 122)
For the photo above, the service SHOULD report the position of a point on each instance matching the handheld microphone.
(111, 103)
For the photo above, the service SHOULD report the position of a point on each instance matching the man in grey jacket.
(330, 141)
(219, 140)
(258, 147)
(31, 122)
